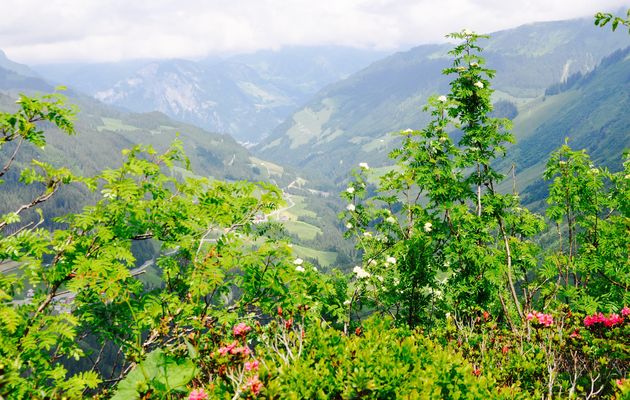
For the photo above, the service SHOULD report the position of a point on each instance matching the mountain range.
(351, 121)
(323, 114)
(244, 95)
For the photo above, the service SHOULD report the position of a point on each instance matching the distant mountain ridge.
(245, 95)
(349, 122)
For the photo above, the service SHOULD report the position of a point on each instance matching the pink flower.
(613, 320)
(227, 349)
(251, 365)
(241, 329)
(625, 311)
(543, 319)
(254, 384)
(599, 318)
(198, 394)
(244, 350)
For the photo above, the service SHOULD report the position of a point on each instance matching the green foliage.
(588, 205)
(602, 19)
(215, 268)
(158, 375)
(437, 217)
(379, 361)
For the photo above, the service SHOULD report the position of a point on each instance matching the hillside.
(591, 112)
(350, 121)
(103, 131)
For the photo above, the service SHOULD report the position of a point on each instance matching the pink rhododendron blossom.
(241, 329)
(242, 350)
(227, 349)
(251, 365)
(198, 394)
(543, 319)
(599, 318)
(254, 384)
(613, 320)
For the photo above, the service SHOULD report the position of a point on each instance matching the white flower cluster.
(364, 165)
(479, 84)
(428, 227)
(298, 262)
(360, 272)
(442, 99)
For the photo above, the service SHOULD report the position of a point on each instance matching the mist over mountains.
(245, 95)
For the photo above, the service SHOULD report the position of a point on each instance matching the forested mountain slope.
(103, 131)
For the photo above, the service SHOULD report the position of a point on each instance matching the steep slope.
(244, 95)
(17, 68)
(349, 122)
(591, 111)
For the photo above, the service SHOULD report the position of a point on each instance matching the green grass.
(112, 124)
(325, 258)
(271, 168)
(299, 209)
(303, 230)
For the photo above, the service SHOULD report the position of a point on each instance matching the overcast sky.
(44, 31)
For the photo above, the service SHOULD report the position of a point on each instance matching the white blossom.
(367, 234)
(350, 207)
(299, 268)
(380, 278)
(428, 227)
(479, 84)
(372, 263)
(298, 261)
(391, 220)
(407, 130)
(467, 32)
(350, 190)
(360, 272)
(391, 260)
(349, 225)
(474, 64)
(347, 303)
(364, 165)
(442, 99)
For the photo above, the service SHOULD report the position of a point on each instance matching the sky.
(51, 31)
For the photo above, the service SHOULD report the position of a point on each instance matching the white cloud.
(35, 31)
